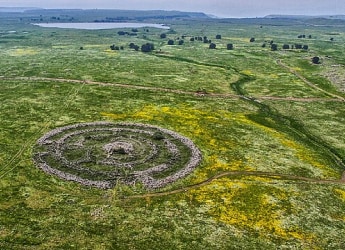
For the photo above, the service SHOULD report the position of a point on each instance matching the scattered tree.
(316, 60)
(122, 33)
(180, 42)
(212, 46)
(148, 47)
(305, 47)
(286, 46)
(192, 39)
(218, 37)
(113, 47)
(229, 46)
(163, 35)
(274, 47)
(134, 46)
(171, 42)
(252, 40)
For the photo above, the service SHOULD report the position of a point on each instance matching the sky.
(221, 8)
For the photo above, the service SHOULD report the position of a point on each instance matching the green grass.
(234, 131)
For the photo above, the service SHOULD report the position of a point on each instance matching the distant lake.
(100, 26)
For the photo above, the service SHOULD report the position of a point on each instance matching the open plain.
(259, 103)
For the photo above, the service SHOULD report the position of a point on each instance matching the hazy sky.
(223, 8)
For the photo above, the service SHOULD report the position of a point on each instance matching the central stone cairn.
(102, 154)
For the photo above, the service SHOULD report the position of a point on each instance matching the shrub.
(316, 60)
(229, 46)
(212, 46)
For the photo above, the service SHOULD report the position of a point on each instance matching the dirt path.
(309, 83)
(237, 173)
(176, 91)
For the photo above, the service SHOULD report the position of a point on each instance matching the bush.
(316, 60)
(212, 46)
(230, 46)
(274, 47)
(148, 47)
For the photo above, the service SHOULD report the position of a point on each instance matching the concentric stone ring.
(101, 154)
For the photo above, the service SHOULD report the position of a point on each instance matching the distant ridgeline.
(98, 15)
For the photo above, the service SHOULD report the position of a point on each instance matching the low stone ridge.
(102, 154)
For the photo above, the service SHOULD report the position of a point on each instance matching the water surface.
(100, 26)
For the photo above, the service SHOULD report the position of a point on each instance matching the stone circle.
(102, 154)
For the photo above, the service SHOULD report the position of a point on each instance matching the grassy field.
(269, 125)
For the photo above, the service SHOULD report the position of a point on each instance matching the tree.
(286, 46)
(113, 47)
(218, 37)
(212, 46)
(192, 39)
(148, 47)
(163, 35)
(252, 39)
(180, 42)
(305, 47)
(274, 47)
(133, 46)
(229, 46)
(316, 60)
(171, 42)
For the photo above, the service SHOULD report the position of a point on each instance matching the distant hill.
(100, 15)
(17, 9)
(340, 17)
